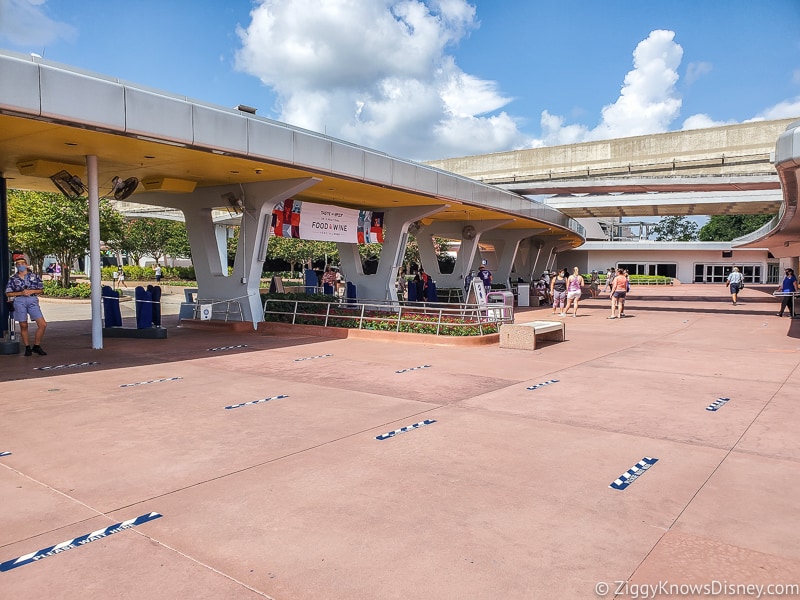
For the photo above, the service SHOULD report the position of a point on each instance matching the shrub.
(53, 289)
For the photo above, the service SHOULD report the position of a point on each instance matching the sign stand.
(276, 286)
(477, 293)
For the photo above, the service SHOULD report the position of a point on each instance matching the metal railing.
(391, 316)
(220, 309)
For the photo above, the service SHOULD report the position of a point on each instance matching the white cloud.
(695, 70)
(24, 23)
(377, 72)
(380, 73)
(703, 121)
(783, 110)
(648, 101)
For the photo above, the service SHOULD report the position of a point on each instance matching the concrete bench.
(523, 336)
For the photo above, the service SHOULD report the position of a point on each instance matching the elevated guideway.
(659, 204)
(782, 234)
(720, 170)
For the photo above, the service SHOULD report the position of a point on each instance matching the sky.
(426, 80)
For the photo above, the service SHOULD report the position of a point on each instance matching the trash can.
(311, 281)
(189, 307)
(523, 294)
(111, 307)
(497, 302)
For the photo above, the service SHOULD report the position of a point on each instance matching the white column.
(94, 253)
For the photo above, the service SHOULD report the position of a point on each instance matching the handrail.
(392, 313)
(233, 302)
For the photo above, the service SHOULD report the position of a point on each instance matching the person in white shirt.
(736, 282)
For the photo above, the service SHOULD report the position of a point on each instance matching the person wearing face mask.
(23, 288)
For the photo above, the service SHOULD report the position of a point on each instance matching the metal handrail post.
(294, 314)
(327, 313)
(361, 318)
(439, 322)
(399, 318)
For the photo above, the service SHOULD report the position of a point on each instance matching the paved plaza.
(487, 490)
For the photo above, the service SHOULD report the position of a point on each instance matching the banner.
(322, 222)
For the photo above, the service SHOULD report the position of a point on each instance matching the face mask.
(22, 268)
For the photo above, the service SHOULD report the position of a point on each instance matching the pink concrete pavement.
(506, 495)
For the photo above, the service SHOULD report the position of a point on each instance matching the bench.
(523, 336)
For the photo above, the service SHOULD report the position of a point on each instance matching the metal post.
(94, 253)
(6, 345)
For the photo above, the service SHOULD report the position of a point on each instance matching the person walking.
(24, 288)
(121, 278)
(735, 282)
(627, 277)
(788, 286)
(594, 284)
(400, 284)
(619, 289)
(558, 291)
(159, 272)
(575, 285)
(609, 278)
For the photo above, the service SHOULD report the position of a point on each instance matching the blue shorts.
(27, 305)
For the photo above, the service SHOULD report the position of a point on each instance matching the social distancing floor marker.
(68, 366)
(312, 357)
(386, 436)
(544, 383)
(5, 453)
(151, 381)
(227, 347)
(632, 474)
(76, 542)
(717, 404)
(413, 369)
(256, 401)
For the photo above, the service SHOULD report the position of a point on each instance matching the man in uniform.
(486, 277)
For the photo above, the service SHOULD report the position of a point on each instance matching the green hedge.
(134, 273)
(53, 289)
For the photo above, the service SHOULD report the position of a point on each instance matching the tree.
(675, 229)
(723, 228)
(152, 237)
(43, 223)
(412, 256)
(295, 251)
(178, 243)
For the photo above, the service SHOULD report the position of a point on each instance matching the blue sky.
(443, 78)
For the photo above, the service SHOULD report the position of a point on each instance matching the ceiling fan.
(72, 186)
(235, 204)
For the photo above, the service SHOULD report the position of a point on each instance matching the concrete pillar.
(470, 233)
(208, 246)
(380, 285)
(506, 243)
